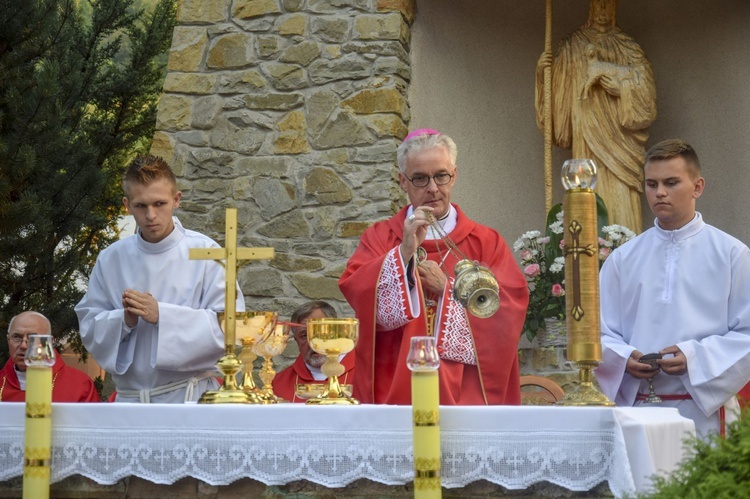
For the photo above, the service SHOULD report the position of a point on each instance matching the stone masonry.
(290, 111)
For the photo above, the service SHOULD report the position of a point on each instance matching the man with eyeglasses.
(400, 279)
(68, 383)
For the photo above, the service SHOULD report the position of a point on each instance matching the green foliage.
(71, 116)
(717, 468)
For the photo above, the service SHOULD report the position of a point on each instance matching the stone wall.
(291, 111)
(78, 487)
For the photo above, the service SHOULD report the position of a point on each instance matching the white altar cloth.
(515, 447)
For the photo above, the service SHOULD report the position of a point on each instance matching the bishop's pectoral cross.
(231, 254)
(576, 250)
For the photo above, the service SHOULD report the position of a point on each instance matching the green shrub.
(716, 468)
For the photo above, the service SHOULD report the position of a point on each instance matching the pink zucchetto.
(421, 131)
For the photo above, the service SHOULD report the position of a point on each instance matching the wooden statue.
(603, 101)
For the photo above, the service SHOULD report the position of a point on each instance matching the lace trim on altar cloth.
(455, 341)
(576, 461)
(391, 302)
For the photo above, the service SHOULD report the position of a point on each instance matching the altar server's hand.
(432, 277)
(415, 230)
(677, 365)
(139, 304)
(638, 369)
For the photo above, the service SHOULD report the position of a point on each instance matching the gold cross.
(231, 254)
(576, 250)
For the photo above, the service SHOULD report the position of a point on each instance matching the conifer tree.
(79, 85)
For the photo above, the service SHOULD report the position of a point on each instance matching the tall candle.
(425, 398)
(38, 427)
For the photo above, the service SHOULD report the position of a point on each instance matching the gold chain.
(452, 248)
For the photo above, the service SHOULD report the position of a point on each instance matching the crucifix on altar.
(229, 364)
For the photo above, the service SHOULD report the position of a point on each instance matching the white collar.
(447, 223)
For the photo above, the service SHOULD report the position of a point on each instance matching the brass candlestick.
(582, 281)
(332, 337)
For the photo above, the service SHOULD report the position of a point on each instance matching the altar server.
(68, 383)
(149, 315)
(306, 368)
(399, 282)
(681, 289)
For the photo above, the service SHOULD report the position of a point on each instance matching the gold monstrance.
(582, 281)
(229, 364)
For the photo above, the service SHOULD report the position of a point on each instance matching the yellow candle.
(38, 433)
(425, 397)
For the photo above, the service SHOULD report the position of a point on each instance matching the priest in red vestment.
(68, 383)
(400, 279)
(306, 368)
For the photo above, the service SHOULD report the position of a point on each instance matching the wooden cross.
(231, 254)
(576, 250)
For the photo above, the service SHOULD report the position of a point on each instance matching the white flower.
(556, 227)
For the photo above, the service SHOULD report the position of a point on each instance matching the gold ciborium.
(269, 348)
(332, 337)
(253, 328)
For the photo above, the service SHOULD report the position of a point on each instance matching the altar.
(576, 448)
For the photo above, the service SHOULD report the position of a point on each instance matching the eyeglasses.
(17, 338)
(424, 180)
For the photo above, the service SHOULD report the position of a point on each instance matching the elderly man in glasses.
(399, 282)
(68, 383)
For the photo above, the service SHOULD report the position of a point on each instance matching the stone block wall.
(290, 111)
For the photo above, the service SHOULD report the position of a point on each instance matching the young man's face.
(300, 336)
(152, 206)
(671, 191)
(431, 162)
(18, 336)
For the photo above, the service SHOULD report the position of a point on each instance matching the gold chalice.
(332, 337)
(229, 365)
(252, 329)
(269, 348)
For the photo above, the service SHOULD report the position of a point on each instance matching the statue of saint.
(603, 101)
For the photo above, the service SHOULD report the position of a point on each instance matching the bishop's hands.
(137, 304)
(415, 230)
(432, 277)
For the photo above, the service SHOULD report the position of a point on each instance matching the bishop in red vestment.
(68, 383)
(399, 282)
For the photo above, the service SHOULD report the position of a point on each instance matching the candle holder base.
(585, 394)
(229, 393)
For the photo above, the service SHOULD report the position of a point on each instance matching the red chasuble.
(382, 376)
(68, 384)
(298, 373)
